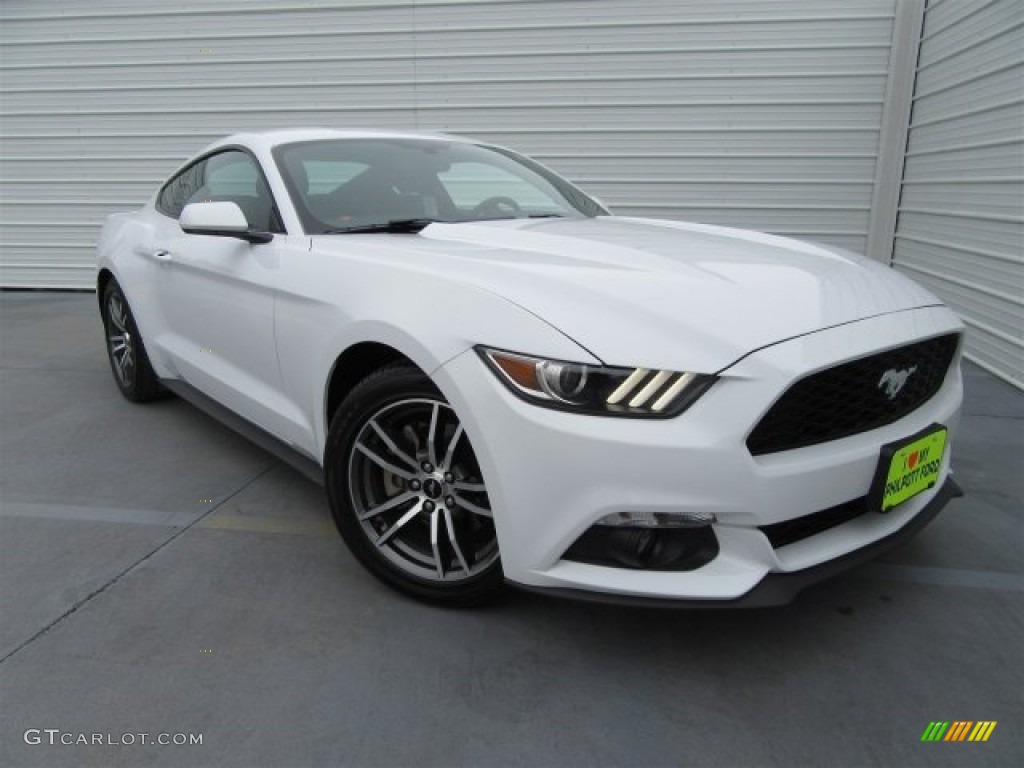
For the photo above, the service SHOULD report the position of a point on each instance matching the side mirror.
(219, 220)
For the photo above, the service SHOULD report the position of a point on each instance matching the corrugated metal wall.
(960, 229)
(758, 113)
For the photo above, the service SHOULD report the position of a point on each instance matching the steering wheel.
(499, 206)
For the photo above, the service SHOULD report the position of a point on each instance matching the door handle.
(161, 254)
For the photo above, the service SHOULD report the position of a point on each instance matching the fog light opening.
(654, 541)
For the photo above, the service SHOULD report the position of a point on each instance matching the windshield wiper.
(394, 225)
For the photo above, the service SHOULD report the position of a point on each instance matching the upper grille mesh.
(851, 398)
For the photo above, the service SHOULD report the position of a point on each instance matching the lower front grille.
(797, 529)
(855, 397)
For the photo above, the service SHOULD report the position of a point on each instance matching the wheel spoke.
(453, 541)
(389, 504)
(434, 545)
(476, 509)
(404, 474)
(446, 463)
(432, 434)
(409, 515)
(117, 314)
(121, 361)
(391, 445)
(462, 485)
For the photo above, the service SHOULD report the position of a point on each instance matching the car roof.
(266, 140)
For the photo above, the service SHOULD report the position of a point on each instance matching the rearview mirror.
(223, 219)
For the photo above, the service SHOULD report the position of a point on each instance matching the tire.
(129, 363)
(407, 494)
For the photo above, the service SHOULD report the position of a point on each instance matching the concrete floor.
(158, 574)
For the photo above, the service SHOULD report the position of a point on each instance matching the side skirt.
(278, 448)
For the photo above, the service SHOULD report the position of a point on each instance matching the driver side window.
(229, 176)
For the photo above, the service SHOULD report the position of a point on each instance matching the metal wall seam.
(892, 140)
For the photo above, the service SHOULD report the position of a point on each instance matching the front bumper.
(551, 475)
(780, 588)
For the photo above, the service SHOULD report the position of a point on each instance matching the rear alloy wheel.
(407, 493)
(132, 372)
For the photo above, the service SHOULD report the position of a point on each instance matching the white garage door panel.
(43, 167)
(70, 147)
(961, 222)
(759, 113)
(745, 193)
(675, 145)
(472, 91)
(186, 67)
(968, 127)
(66, 235)
(990, 160)
(306, 107)
(988, 52)
(732, 168)
(1003, 88)
(994, 275)
(981, 198)
(965, 233)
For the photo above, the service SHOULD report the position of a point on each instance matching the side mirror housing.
(223, 219)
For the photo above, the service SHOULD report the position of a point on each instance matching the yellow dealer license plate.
(908, 467)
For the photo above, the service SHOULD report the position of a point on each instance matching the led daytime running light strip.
(627, 386)
(652, 386)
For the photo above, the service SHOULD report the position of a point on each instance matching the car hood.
(651, 293)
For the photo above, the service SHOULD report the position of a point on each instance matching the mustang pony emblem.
(892, 381)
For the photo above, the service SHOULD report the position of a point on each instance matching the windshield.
(338, 184)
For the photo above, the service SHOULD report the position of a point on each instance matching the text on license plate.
(913, 468)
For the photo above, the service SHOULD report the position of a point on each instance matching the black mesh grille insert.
(790, 531)
(854, 397)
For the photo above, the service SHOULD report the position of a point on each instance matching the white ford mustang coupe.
(498, 380)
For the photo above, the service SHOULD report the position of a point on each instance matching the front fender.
(426, 318)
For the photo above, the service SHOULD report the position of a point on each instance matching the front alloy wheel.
(407, 493)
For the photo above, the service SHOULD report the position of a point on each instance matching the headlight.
(599, 390)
